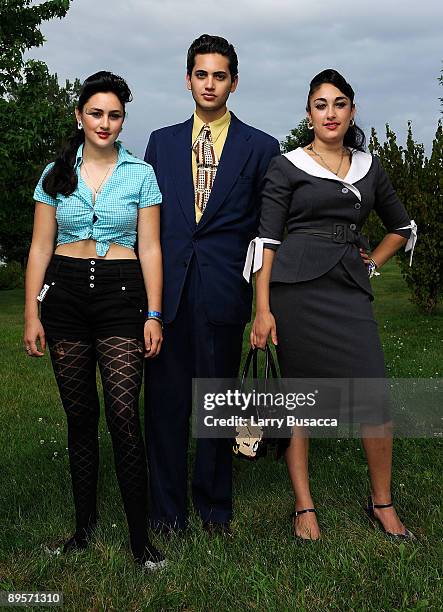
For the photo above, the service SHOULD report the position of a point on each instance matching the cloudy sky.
(389, 50)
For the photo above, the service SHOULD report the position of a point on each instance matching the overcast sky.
(389, 50)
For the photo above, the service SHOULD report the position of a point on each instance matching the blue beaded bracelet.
(153, 314)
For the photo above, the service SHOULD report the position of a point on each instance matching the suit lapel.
(236, 151)
(181, 162)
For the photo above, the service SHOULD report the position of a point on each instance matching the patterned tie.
(207, 164)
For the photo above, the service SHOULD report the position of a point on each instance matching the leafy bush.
(418, 180)
(11, 276)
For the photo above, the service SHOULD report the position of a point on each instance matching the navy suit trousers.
(192, 348)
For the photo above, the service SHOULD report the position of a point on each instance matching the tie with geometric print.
(207, 164)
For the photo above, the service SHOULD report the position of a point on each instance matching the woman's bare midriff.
(86, 249)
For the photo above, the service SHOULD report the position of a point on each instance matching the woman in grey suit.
(313, 288)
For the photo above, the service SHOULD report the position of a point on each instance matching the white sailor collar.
(360, 165)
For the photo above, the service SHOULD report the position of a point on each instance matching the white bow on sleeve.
(254, 256)
(410, 245)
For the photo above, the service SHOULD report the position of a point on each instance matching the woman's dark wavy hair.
(354, 137)
(62, 177)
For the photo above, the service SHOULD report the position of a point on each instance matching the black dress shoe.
(214, 529)
(152, 559)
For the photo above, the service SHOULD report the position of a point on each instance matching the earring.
(310, 126)
(80, 125)
(352, 123)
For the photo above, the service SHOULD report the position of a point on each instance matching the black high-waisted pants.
(92, 312)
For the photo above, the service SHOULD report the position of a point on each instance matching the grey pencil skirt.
(326, 329)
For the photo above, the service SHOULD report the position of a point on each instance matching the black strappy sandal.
(396, 537)
(293, 516)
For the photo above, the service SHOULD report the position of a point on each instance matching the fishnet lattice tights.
(121, 365)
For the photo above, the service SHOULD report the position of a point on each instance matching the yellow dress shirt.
(219, 132)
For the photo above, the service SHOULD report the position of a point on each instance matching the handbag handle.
(270, 368)
(270, 364)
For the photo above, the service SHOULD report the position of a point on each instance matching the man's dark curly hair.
(212, 44)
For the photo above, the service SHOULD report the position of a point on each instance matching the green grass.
(262, 568)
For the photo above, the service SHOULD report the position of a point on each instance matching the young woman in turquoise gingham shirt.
(99, 302)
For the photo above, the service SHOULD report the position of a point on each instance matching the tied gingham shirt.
(131, 186)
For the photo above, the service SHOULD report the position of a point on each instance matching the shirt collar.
(217, 126)
(123, 156)
(360, 165)
(79, 156)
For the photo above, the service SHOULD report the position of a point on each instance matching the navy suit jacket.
(220, 240)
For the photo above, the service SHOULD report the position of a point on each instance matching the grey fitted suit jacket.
(299, 193)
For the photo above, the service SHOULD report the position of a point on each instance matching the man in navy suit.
(206, 226)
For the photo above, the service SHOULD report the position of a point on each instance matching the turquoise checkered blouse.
(113, 218)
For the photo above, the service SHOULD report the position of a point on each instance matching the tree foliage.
(34, 120)
(36, 114)
(19, 31)
(297, 137)
(440, 80)
(418, 181)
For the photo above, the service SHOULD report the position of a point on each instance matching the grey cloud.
(390, 52)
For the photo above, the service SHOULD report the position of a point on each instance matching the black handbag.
(250, 442)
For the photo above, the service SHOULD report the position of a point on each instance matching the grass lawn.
(353, 567)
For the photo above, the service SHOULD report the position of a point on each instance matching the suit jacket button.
(353, 226)
(345, 190)
(357, 206)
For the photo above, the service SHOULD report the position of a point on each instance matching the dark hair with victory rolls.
(354, 137)
(62, 178)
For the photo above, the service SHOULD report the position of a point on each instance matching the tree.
(35, 116)
(34, 120)
(298, 137)
(19, 31)
(440, 80)
(418, 180)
